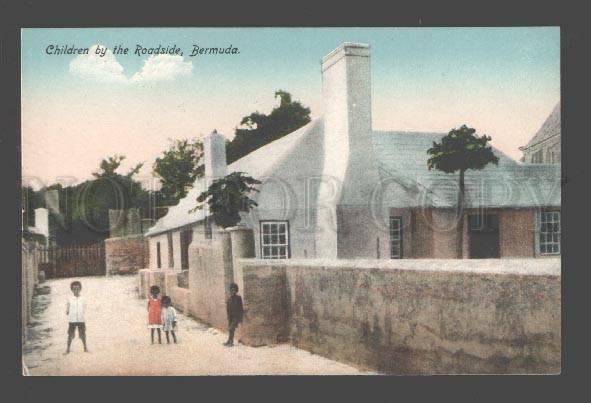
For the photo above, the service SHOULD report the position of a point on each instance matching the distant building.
(544, 146)
(336, 188)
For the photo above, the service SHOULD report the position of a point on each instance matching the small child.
(235, 312)
(75, 311)
(154, 313)
(168, 318)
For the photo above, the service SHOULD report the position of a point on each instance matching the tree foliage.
(258, 129)
(460, 150)
(228, 196)
(84, 208)
(177, 168)
(108, 167)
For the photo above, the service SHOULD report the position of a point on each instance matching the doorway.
(186, 239)
(484, 236)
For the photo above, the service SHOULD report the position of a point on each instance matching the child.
(154, 313)
(75, 311)
(235, 312)
(168, 318)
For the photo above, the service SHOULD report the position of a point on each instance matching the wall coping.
(531, 266)
(119, 238)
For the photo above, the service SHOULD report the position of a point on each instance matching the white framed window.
(396, 237)
(549, 232)
(275, 240)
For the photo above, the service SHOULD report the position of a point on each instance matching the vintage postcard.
(291, 201)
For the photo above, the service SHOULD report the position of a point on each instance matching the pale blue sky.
(503, 81)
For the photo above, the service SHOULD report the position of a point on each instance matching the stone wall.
(124, 223)
(29, 279)
(210, 273)
(126, 255)
(266, 304)
(147, 278)
(413, 316)
(180, 297)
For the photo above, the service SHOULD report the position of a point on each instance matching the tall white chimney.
(214, 154)
(346, 225)
(346, 93)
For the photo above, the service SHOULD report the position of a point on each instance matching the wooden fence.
(73, 260)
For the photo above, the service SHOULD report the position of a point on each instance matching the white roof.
(401, 156)
(259, 164)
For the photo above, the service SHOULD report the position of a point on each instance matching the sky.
(79, 109)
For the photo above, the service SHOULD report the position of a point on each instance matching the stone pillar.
(134, 222)
(242, 239)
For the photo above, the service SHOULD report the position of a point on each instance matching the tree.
(258, 129)
(177, 168)
(111, 164)
(84, 208)
(460, 150)
(227, 197)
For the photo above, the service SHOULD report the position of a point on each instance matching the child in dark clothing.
(235, 312)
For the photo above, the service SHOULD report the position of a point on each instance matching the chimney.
(42, 221)
(52, 201)
(214, 153)
(349, 160)
(346, 93)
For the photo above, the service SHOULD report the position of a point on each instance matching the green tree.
(460, 150)
(177, 168)
(84, 208)
(258, 129)
(111, 164)
(227, 197)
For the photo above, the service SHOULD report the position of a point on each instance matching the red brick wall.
(516, 232)
(126, 255)
(422, 233)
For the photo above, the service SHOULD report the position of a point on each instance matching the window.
(186, 239)
(550, 232)
(275, 239)
(537, 157)
(158, 261)
(396, 237)
(170, 251)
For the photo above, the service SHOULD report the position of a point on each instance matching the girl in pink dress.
(154, 313)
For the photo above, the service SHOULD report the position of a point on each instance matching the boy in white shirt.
(75, 311)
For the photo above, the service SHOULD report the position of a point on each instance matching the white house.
(544, 146)
(336, 188)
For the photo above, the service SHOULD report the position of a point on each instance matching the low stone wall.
(126, 255)
(411, 316)
(29, 279)
(210, 273)
(180, 298)
(266, 304)
(147, 278)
